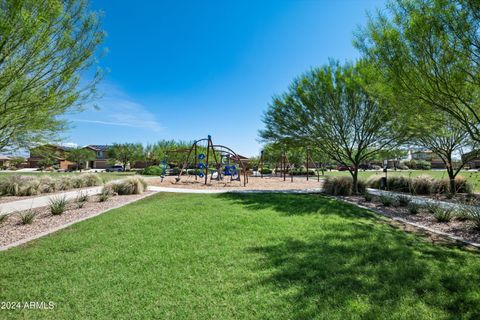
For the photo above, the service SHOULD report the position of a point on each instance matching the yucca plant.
(413, 207)
(104, 195)
(443, 214)
(367, 196)
(58, 205)
(27, 217)
(81, 199)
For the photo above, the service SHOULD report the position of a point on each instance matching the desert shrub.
(403, 200)
(386, 200)
(152, 171)
(91, 179)
(442, 214)
(441, 186)
(367, 196)
(422, 185)
(133, 185)
(58, 205)
(27, 217)
(398, 183)
(48, 184)
(374, 182)
(3, 218)
(342, 186)
(18, 185)
(413, 208)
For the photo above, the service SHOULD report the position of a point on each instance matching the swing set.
(209, 160)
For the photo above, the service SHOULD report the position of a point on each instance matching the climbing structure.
(212, 161)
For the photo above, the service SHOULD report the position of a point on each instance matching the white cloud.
(118, 109)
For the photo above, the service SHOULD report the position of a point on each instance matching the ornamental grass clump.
(48, 184)
(398, 183)
(422, 185)
(58, 205)
(133, 185)
(342, 186)
(81, 199)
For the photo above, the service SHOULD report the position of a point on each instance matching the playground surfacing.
(254, 183)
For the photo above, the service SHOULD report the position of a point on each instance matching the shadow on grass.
(359, 269)
(296, 204)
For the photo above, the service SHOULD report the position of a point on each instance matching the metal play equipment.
(213, 161)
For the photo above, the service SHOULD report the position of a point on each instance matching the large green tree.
(429, 54)
(125, 153)
(80, 155)
(45, 47)
(332, 109)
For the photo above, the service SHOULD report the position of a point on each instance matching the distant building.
(4, 161)
(426, 155)
(472, 164)
(101, 154)
(56, 152)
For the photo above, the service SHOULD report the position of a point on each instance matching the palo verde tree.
(44, 46)
(125, 153)
(429, 54)
(331, 108)
(80, 156)
(448, 140)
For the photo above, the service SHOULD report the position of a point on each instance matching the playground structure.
(204, 160)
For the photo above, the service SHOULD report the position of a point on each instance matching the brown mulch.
(12, 230)
(456, 227)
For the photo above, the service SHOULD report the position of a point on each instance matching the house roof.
(2, 157)
(98, 147)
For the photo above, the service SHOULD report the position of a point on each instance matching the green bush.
(152, 171)
(386, 200)
(133, 185)
(58, 205)
(27, 217)
(266, 171)
(342, 186)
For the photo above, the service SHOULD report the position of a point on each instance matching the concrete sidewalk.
(42, 201)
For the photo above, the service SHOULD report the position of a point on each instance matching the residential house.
(101, 160)
(4, 161)
(56, 152)
(426, 155)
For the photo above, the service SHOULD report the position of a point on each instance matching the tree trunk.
(354, 174)
(451, 177)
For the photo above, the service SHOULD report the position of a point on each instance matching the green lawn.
(233, 256)
(106, 176)
(472, 176)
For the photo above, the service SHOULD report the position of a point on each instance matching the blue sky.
(185, 69)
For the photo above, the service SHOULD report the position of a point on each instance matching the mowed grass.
(234, 256)
(472, 176)
(106, 176)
